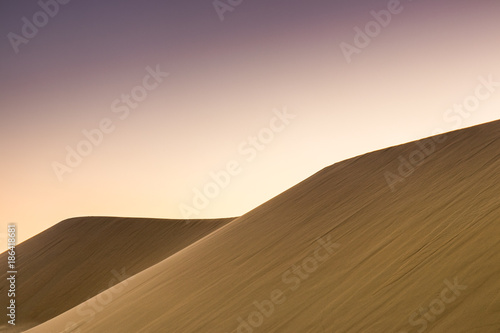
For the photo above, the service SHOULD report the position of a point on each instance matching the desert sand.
(78, 258)
(339, 252)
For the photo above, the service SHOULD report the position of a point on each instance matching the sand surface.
(78, 258)
(339, 252)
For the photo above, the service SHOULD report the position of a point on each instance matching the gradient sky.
(226, 78)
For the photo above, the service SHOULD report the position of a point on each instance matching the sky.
(201, 109)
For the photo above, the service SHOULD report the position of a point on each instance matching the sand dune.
(339, 252)
(81, 257)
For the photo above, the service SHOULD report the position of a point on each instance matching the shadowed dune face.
(81, 257)
(339, 252)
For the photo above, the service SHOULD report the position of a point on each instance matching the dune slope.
(339, 252)
(78, 258)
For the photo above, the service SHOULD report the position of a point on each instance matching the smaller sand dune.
(81, 257)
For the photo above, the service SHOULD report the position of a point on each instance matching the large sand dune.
(339, 252)
(78, 258)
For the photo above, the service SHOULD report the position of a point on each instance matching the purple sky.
(225, 79)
